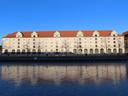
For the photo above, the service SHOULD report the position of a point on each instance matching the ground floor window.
(91, 51)
(18, 50)
(13, 51)
(34, 50)
(80, 51)
(74, 50)
(6, 51)
(101, 51)
(114, 51)
(85, 51)
(23, 51)
(109, 51)
(120, 50)
(96, 51)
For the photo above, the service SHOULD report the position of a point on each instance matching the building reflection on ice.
(84, 74)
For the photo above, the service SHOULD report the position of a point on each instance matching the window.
(101, 51)
(18, 46)
(6, 51)
(114, 46)
(96, 35)
(114, 38)
(18, 39)
(114, 41)
(114, 35)
(34, 47)
(80, 46)
(85, 51)
(114, 51)
(109, 51)
(96, 51)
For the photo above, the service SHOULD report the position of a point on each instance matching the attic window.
(34, 36)
(114, 35)
(96, 35)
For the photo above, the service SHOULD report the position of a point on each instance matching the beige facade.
(81, 42)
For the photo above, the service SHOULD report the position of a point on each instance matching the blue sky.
(32, 15)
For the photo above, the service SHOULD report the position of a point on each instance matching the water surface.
(103, 79)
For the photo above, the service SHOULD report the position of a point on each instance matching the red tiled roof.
(125, 33)
(105, 32)
(68, 33)
(86, 33)
(45, 33)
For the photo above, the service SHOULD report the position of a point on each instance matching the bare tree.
(65, 46)
(38, 46)
(78, 46)
(120, 44)
(105, 43)
(27, 46)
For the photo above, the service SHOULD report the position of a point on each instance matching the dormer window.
(34, 35)
(114, 35)
(96, 35)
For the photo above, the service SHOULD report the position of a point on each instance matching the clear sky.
(32, 15)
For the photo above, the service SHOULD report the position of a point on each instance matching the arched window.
(91, 51)
(28, 50)
(6, 51)
(102, 51)
(114, 51)
(96, 51)
(74, 50)
(120, 51)
(85, 51)
(23, 51)
(13, 51)
(109, 51)
(18, 50)
(34, 50)
(39, 50)
(80, 51)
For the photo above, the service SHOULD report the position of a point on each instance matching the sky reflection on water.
(65, 80)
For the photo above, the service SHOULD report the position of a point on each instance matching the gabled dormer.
(56, 34)
(113, 34)
(34, 34)
(19, 35)
(95, 34)
(79, 34)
